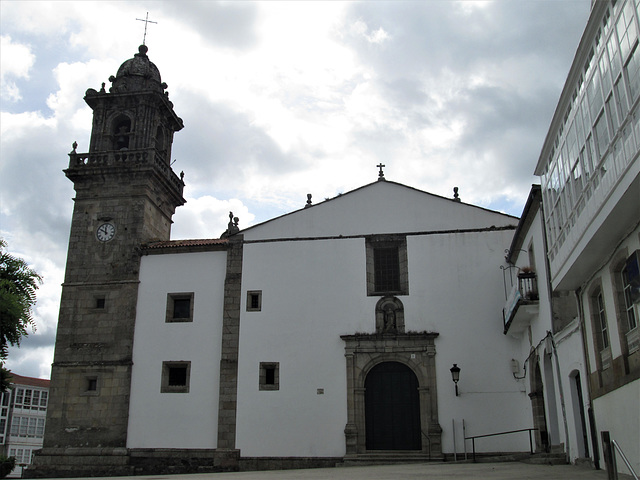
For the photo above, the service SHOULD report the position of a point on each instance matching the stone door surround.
(415, 350)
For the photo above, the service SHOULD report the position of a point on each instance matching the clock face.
(106, 232)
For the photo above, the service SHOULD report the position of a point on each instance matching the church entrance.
(392, 408)
(392, 394)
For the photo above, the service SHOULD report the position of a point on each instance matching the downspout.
(591, 417)
(553, 342)
(564, 413)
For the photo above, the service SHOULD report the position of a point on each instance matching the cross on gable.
(381, 173)
(146, 21)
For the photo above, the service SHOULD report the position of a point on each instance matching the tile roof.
(203, 242)
(30, 381)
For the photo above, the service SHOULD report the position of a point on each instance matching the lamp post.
(455, 375)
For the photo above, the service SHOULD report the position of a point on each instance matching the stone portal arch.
(414, 352)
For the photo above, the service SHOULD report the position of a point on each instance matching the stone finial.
(182, 177)
(456, 197)
(308, 201)
(74, 145)
(381, 173)
(102, 90)
(232, 226)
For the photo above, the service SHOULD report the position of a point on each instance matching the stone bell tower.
(126, 194)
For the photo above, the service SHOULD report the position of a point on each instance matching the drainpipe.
(591, 416)
(564, 412)
(547, 267)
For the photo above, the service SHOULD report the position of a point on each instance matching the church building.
(384, 324)
(323, 336)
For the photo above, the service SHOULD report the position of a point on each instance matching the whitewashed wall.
(177, 420)
(571, 359)
(562, 409)
(457, 291)
(381, 207)
(315, 290)
(617, 411)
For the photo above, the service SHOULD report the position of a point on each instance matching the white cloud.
(73, 79)
(207, 217)
(281, 99)
(16, 61)
(360, 28)
(13, 125)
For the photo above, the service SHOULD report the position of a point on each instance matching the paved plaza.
(428, 471)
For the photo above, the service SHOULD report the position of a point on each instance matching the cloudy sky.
(279, 99)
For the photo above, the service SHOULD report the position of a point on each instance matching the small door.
(392, 408)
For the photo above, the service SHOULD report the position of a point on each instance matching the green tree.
(18, 285)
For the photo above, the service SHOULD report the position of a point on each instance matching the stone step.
(524, 457)
(546, 459)
(386, 458)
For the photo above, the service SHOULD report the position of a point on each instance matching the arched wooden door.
(392, 408)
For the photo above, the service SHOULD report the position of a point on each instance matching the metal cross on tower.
(381, 173)
(146, 21)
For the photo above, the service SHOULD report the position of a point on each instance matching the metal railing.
(610, 447)
(473, 438)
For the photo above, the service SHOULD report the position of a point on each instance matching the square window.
(387, 265)
(100, 303)
(91, 386)
(175, 377)
(254, 300)
(269, 376)
(179, 307)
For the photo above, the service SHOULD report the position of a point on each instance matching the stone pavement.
(422, 471)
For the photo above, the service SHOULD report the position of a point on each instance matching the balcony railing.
(522, 304)
(78, 161)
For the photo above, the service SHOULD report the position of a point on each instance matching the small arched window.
(160, 140)
(121, 132)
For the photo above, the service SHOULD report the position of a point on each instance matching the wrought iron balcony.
(522, 304)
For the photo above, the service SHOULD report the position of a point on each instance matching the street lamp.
(455, 375)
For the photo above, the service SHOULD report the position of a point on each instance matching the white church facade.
(330, 335)
(316, 318)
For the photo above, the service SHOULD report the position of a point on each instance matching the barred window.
(387, 265)
(387, 269)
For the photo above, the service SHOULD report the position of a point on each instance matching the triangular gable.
(378, 208)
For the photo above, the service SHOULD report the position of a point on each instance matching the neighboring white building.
(590, 176)
(22, 419)
(551, 362)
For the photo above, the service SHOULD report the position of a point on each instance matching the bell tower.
(126, 195)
